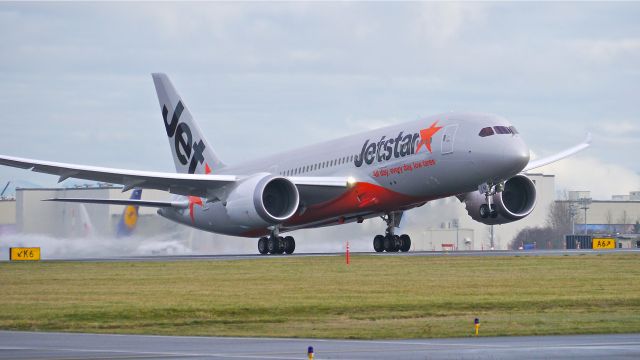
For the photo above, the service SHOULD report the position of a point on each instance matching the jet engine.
(261, 200)
(516, 201)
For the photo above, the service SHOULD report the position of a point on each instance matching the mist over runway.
(214, 257)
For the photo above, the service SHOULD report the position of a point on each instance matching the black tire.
(484, 211)
(494, 212)
(396, 243)
(405, 243)
(289, 245)
(272, 245)
(389, 243)
(262, 246)
(378, 243)
(280, 245)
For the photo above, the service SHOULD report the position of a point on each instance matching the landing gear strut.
(275, 244)
(390, 242)
(489, 189)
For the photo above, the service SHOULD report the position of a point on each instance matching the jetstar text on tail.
(400, 146)
(183, 141)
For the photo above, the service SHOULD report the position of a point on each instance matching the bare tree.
(559, 223)
(542, 237)
(560, 220)
(624, 218)
(609, 217)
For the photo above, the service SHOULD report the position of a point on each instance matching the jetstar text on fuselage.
(400, 146)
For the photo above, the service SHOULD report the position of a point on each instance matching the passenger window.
(486, 132)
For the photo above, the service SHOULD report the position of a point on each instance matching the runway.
(410, 253)
(31, 345)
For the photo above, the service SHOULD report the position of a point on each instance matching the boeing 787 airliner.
(479, 158)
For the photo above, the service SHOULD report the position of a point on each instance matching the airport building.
(60, 219)
(619, 217)
(7, 216)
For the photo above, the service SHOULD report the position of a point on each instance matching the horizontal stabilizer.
(148, 203)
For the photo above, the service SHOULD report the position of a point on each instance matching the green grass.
(375, 297)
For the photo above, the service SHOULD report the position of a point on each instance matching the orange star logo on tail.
(426, 135)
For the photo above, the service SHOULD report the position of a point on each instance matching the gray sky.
(75, 82)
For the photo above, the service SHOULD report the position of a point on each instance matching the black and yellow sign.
(604, 243)
(24, 254)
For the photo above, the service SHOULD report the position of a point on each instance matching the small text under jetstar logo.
(188, 150)
(400, 146)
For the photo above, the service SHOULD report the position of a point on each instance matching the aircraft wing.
(561, 155)
(207, 186)
(181, 184)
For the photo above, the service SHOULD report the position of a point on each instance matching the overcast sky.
(75, 82)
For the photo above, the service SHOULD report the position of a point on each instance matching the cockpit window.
(486, 132)
(513, 129)
(502, 130)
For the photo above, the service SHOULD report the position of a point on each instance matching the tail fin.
(129, 218)
(191, 151)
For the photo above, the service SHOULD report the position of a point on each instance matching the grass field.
(375, 297)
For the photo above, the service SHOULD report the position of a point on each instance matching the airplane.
(129, 218)
(479, 158)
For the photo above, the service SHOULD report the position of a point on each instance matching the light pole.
(573, 211)
(585, 206)
(455, 223)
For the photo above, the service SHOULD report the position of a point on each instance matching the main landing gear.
(274, 244)
(391, 242)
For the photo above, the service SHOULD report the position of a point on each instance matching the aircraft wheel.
(405, 243)
(378, 243)
(484, 211)
(396, 243)
(494, 212)
(262, 245)
(389, 243)
(272, 245)
(280, 245)
(289, 245)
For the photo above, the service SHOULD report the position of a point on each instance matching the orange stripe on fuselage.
(362, 197)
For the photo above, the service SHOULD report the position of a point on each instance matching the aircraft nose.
(516, 155)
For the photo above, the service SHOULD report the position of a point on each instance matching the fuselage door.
(448, 137)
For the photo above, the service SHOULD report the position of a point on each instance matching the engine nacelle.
(517, 200)
(261, 200)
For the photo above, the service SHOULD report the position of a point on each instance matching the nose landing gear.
(391, 242)
(489, 189)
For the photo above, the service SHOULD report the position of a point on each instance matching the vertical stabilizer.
(191, 152)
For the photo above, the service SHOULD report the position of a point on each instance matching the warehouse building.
(60, 219)
(7, 216)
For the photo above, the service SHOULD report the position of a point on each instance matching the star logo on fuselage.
(194, 200)
(426, 135)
